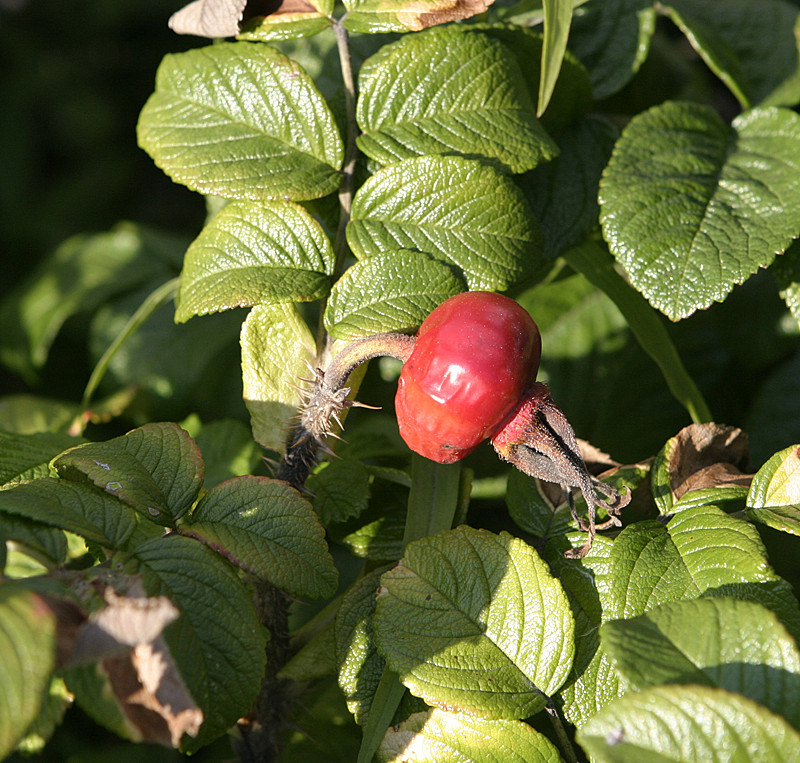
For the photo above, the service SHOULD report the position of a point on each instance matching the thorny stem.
(263, 729)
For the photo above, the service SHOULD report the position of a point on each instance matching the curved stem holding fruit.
(327, 398)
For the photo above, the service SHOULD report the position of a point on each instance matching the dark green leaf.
(81, 509)
(80, 275)
(242, 121)
(454, 209)
(691, 207)
(28, 646)
(612, 39)
(340, 490)
(773, 421)
(394, 291)
(751, 47)
(156, 468)
(594, 263)
(563, 193)
(572, 96)
(251, 253)
(27, 456)
(266, 527)
(786, 270)
(228, 451)
(474, 102)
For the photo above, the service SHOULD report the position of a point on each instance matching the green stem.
(561, 734)
(432, 505)
(595, 263)
(154, 300)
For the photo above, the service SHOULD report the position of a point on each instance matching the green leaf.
(340, 489)
(691, 207)
(242, 121)
(95, 696)
(81, 509)
(774, 497)
(157, 299)
(277, 350)
(289, 22)
(786, 271)
(475, 621)
(594, 263)
(251, 253)
(157, 469)
(27, 456)
(56, 702)
(687, 724)
(360, 665)
(80, 275)
(700, 552)
(612, 39)
(266, 527)
(744, 649)
(35, 536)
(474, 102)
(436, 735)
(454, 209)
(406, 15)
(532, 509)
(177, 367)
(752, 48)
(217, 641)
(777, 483)
(394, 291)
(572, 96)
(28, 646)
(557, 18)
(29, 414)
(773, 421)
(563, 193)
(228, 451)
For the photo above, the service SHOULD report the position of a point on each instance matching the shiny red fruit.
(475, 356)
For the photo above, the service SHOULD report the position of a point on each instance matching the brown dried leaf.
(707, 455)
(209, 18)
(126, 622)
(421, 14)
(151, 692)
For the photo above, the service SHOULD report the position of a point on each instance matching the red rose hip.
(475, 357)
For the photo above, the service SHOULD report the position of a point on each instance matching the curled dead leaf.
(705, 456)
(421, 14)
